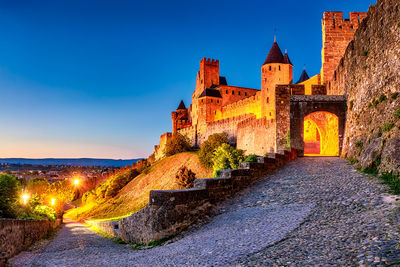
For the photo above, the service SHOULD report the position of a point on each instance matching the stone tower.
(277, 69)
(336, 35)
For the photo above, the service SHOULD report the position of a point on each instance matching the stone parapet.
(171, 211)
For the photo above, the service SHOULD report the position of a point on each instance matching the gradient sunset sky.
(100, 78)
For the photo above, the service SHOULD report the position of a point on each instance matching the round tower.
(277, 69)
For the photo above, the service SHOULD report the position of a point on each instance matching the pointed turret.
(181, 105)
(303, 77)
(275, 55)
(286, 58)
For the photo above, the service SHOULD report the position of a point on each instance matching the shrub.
(251, 158)
(38, 186)
(8, 195)
(397, 113)
(207, 149)
(388, 126)
(177, 144)
(118, 181)
(395, 95)
(359, 144)
(226, 157)
(382, 98)
(35, 210)
(185, 177)
(392, 181)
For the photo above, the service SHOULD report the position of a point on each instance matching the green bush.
(8, 195)
(118, 181)
(177, 144)
(397, 113)
(251, 158)
(226, 157)
(35, 210)
(388, 126)
(382, 98)
(208, 147)
(38, 186)
(395, 95)
(185, 177)
(392, 181)
(359, 144)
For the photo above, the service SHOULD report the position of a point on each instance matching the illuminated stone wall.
(336, 35)
(369, 76)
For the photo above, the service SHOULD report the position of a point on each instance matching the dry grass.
(135, 195)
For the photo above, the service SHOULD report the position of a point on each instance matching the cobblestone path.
(313, 211)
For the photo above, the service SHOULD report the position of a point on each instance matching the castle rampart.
(336, 34)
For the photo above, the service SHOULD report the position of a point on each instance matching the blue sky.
(100, 78)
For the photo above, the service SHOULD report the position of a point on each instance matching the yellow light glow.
(76, 181)
(25, 198)
(321, 134)
(53, 201)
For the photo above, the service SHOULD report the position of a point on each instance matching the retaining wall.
(169, 212)
(18, 235)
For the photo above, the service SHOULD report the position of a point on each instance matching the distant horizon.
(85, 79)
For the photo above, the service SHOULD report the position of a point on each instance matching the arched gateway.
(317, 124)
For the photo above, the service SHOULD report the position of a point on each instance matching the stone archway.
(321, 134)
(302, 107)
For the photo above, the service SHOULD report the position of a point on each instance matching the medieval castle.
(304, 114)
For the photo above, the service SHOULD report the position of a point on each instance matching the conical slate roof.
(303, 77)
(286, 59)
(181, 105)
(275, 55)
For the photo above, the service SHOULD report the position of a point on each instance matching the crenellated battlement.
(336, 35)
(334, 20)
(209, 61)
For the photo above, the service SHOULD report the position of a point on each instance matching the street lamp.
(53, 201)
(25, 198)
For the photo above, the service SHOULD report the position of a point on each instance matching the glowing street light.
(25, 198)
(53, 201)
(76, 182)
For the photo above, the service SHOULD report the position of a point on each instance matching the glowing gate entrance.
(321, 134)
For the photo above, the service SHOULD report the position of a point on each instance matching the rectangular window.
(245, 93)
(239, 93)
(233, 92)
(226, 91)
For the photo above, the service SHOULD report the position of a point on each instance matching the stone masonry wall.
(169, 212)
(256, 136)
(369, 76)
(18, 235)
(336, 34)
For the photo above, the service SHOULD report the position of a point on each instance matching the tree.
(226, 157)
(8, 195)
(208, 147)
(185, 177)
(38, 186)
(177, 144)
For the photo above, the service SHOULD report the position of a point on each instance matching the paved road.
(314, 211)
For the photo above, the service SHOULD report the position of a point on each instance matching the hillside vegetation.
(134, 196)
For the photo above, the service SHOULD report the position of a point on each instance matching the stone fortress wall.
(368, 75)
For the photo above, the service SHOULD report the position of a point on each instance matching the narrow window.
(265, 80)
(279, 67)
(245, 93)
(211, 100)
(239, 93)
(267, 99)
(233, 92)
(269, 67)
(226, 91)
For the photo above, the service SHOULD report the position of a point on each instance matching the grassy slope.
(135, 195)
